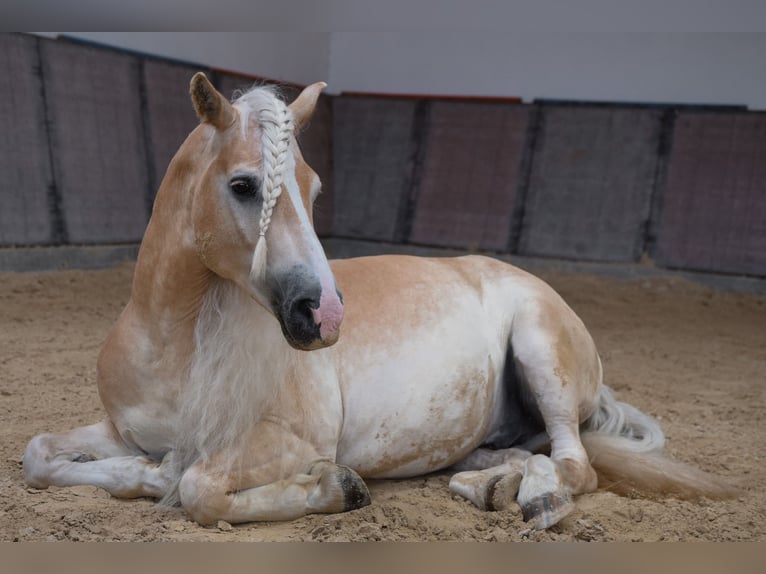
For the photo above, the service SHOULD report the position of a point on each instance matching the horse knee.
(36, 461)
(201, 496)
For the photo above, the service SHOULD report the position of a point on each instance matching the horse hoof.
(355, 492)
(546, 510)
(487, 491)
(502, 491)
(81, 457)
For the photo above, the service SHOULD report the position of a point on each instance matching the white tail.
(625, 448)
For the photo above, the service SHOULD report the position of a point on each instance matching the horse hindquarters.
(594, 439)
(560, 372)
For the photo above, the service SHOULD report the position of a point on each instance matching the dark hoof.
(502, 490)
(82, 457)
(355, 493)
(545, 511)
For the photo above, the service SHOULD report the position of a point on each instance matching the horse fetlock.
(169, 468)
(577, 476)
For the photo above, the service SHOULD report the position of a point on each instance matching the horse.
(228, 388)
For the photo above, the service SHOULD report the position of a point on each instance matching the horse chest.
(150, 429)
(142, 405)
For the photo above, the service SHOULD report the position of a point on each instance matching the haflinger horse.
(229, 389)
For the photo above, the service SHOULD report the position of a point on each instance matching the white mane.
(228, 388)
(232, 379)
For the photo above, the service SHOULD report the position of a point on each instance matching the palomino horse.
(227, 387)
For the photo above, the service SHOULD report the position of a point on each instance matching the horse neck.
(170, 281)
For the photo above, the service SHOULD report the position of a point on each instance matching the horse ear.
(210, 105)
(304, 104)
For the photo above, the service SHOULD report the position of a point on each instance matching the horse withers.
(229, 388)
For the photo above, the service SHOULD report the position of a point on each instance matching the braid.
(277, 128)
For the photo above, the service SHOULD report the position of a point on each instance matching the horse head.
(252, 209)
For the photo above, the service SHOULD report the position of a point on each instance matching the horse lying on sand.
(229, 388)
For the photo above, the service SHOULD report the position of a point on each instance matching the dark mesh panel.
(94, 105)
(591, 182)
(713, 215)
(468, 184)
(25, 213)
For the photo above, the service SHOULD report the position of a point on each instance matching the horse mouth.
(302, 333)
(310, 316)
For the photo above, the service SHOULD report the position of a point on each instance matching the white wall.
(637, 67)
(665, 67)
(301, 57)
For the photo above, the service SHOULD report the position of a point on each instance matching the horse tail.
(625, 447)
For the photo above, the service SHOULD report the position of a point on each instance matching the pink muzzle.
(329, 315)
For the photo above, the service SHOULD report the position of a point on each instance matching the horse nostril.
(304, 308)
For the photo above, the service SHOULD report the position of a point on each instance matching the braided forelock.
(276, 122)
(276, 128)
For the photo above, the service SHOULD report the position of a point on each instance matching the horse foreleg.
(325, 487)
(94, 455)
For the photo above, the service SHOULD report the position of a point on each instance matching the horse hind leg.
(563, 374)
(542, 485)
(556, 384)
(94, 455)
(491, 478)
(534, 481)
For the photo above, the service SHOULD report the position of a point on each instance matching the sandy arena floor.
(693, 357)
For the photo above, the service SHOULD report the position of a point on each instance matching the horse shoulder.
(138, 383)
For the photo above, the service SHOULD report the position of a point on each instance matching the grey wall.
(678, 67)
(685, 186)
(301, 57)
(637, 67)
(86, 133)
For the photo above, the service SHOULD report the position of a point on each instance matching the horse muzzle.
(310, 316)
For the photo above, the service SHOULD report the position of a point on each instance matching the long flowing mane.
(230, 385)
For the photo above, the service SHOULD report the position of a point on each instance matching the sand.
(693, 357)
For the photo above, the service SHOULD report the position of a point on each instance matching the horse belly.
(409, 422)
(420, 360)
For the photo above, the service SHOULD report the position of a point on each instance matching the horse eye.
(244, 187)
